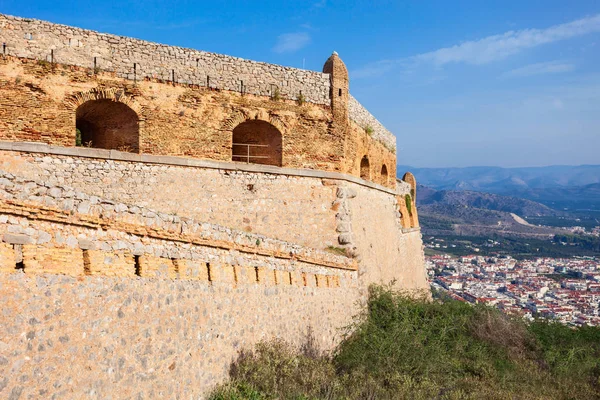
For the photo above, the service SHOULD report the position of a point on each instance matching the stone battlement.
(135, 59)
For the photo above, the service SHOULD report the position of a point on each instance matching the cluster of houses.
(567, 290)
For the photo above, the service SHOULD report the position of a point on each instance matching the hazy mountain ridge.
(573, 187)
(498, 178)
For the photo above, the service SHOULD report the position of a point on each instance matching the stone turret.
(338, 75)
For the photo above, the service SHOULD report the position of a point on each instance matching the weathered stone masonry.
(39, 40)
(163, 208)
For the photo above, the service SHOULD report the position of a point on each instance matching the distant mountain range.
(559, 187)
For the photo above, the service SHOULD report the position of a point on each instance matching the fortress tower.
(162, 208)
(339, 93)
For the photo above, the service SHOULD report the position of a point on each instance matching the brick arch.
(384, 175)
(258, 142)
(239, 117)
(410, 179)
(106, 119)
(365, 168)
(117, 95)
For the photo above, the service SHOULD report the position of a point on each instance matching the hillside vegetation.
(400, 348)
(444, 213)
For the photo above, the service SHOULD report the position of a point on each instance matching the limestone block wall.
(34, 39)
(119, 300)
(52, 246)
(37, 213)
(294, 209)
(387, 250)
(311, 209)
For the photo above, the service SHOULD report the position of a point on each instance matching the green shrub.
(400, 347)
(369, 130)
(44, 63)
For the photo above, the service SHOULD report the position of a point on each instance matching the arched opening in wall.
(257, 142)
(384, 175)
(107, 124)
(365, 172)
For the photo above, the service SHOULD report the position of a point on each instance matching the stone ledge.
(410, 230)
(34, 147)
(265, 247)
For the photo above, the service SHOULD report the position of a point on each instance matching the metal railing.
(247, 157)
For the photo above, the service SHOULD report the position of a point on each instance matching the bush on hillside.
(414, 348)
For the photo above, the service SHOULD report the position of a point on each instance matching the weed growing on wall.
(408, 201)
(44, 64)
(336, 250)
(276, 96)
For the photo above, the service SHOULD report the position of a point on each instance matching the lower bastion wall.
(145, 279)
(96, 337)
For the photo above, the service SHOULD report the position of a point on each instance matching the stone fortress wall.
(96, 268)
(135, 59)
(142, 270)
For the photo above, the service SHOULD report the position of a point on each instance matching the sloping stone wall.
(104, 299)
(359, 114)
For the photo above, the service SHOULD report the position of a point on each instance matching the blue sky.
(462, 83)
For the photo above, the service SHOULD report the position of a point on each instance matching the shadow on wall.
(107, 124)
(384, 175)
(365, 172)
(257, 142)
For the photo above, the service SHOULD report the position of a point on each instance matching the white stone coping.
(34, 147)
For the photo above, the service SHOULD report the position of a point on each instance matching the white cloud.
(551, 67)
(497, 47)
(290, 42)
(491, 48)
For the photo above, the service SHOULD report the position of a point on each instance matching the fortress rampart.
(151, 228)
(134, 59)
